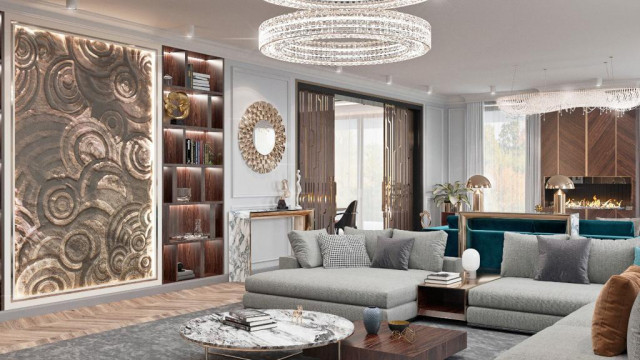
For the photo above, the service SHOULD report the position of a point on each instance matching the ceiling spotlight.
(72, 4)
(599, 82)
(339, 69)
(429, 90)
(191, 31)
(492, 88)
(389, 79)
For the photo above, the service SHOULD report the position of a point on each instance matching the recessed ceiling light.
(429, 90)
(389, 79)
(72, 4)
(599, 82)
(191, 31)
(492, 89)
(339, 69)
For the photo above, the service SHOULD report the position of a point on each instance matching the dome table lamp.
(477, 183)
(471, 263)
(559, 182)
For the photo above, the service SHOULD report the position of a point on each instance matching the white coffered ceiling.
(476, 43)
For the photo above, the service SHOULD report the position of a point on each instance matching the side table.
(448, 301)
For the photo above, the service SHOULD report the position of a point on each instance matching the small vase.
(447, 207)
(372, 317)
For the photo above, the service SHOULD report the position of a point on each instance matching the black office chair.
(349, 217)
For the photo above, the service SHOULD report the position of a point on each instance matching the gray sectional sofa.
(344, 292)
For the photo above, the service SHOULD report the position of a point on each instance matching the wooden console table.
(240, 235)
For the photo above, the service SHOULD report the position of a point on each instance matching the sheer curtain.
(359, 149)
(504, 160)
(533, 185)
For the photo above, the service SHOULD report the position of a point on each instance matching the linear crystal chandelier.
(345, 33)
(606, 100)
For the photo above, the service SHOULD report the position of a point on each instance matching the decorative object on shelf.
(177, 105)
(208, 155)
(476, 183)
(282, 202)
(180, 267)
(471, 263)
(345, 33)
(539, 208)
(559, 182)
(183, 194)
(167, 80)
(372, 317)
(86, 178)
(298, 190)
(398, 325)
(425, 219)
(407, 334)
(297, 315)
(262, 115)
(197, 228)
(448, 195)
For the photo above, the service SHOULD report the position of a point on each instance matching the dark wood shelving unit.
(205, 124)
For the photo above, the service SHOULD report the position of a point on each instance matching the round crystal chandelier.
(346, 35)
(606, 100)
(323, 4)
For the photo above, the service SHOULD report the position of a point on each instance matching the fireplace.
(594, 193)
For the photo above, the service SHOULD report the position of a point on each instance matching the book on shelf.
(197, 81)
(443, 275)
(189, 79)
(201, 75)
(250, 328)
(186, 275)
(203, 88)
(250, 315)
(188, 151)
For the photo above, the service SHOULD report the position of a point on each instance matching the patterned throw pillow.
(343, 251)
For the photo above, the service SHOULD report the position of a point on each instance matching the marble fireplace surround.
(240, 235)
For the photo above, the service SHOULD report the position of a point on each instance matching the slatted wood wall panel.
(316, 159)
(572, 149)
(398, 168)
(549, 144)
(601, 143)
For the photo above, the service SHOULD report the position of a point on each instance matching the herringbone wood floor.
(28, 332)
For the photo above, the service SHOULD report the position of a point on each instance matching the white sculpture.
(298, 190)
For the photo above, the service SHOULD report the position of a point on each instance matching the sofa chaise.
(344, 292)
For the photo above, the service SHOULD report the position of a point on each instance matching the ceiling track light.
(389, 79)
(191, 32)
(72, 5)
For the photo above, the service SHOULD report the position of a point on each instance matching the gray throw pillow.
(392, 253)
(610, 257)
(370, 236)
(343, 251)
(633, 333)
(428, 248)
(305, 247)
(520, 254)
(563, 261)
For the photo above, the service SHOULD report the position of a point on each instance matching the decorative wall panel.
(84, 209)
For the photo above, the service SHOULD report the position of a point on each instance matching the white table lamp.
(471, 262)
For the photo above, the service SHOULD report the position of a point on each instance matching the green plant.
(456, 193)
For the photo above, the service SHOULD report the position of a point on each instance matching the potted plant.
(452, 196)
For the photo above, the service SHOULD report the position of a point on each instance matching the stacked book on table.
(201, 81)
(443, 278)
(186, 274)
(249, 320)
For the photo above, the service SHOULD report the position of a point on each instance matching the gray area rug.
(160, 340)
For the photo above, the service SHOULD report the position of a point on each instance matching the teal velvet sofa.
(487, 235)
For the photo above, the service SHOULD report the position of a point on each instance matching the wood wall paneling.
(549, 144)
(601, 144)
(626, 144)
(572, 147)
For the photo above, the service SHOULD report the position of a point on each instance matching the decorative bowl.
(398, 325)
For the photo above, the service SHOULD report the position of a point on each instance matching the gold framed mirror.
(262, 137)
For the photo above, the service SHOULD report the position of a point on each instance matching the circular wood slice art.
(261, 111)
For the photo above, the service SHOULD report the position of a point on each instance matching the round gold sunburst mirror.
(262, 137)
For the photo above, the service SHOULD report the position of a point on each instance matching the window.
(504, 153)
(359, 149)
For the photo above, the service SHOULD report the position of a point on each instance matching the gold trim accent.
(261, 110)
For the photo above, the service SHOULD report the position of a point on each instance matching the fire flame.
(594, 204)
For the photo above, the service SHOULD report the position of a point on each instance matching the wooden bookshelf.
(204, 176)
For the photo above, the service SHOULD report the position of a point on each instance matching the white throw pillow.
(343, 251)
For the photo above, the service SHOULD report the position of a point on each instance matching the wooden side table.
(448, 301)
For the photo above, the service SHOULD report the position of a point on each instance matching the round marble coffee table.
(317, 329)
